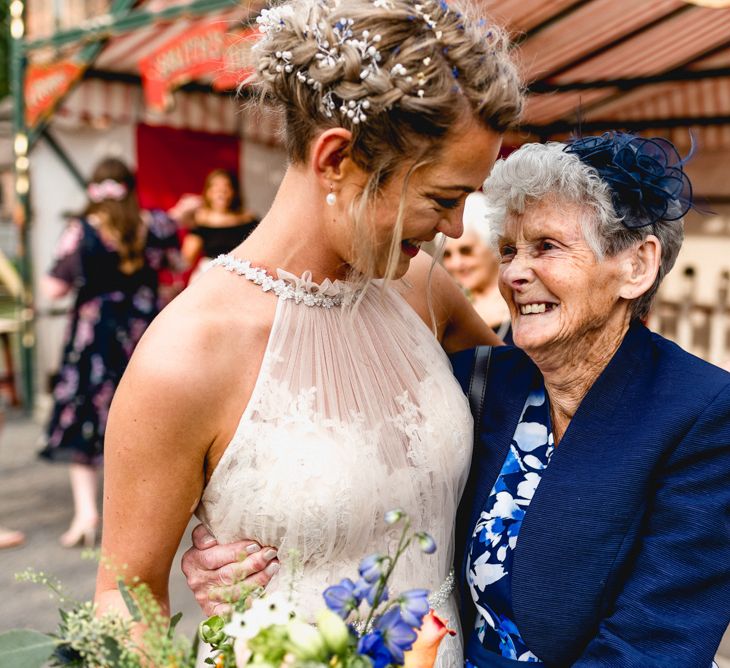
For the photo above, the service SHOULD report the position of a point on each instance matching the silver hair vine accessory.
(330, 41)
(273, 19)
(329, 55)
(426, 15)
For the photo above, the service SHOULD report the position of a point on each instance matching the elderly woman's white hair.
(545, 172)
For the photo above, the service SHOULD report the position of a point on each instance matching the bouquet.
(263, 631)
(269, 632)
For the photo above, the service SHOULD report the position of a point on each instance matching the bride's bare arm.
(172, 417)
(156, 442)
(458, 324)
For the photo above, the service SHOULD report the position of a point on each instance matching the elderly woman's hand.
(217, 573)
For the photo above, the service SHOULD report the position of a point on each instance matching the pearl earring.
(331, 198)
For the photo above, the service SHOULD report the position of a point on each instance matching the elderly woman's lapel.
(586, 475)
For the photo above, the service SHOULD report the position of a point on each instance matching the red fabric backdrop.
(172, 162)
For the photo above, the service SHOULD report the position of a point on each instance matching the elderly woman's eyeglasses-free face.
(559, 294)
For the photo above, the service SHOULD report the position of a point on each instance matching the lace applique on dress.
(354, 413)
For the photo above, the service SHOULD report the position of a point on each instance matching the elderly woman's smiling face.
(561, 297)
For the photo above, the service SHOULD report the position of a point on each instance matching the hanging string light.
(17, 25)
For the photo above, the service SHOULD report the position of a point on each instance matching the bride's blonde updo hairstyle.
(399, 74)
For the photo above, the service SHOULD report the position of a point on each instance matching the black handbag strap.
(478, 385)
(476, 393)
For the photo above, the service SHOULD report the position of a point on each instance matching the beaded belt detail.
(438, 598)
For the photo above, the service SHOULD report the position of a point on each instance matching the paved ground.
(35, 497)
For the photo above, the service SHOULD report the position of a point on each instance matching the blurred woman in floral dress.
(110, 257)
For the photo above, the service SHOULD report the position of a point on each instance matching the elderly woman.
(594, 526)
(595, 522)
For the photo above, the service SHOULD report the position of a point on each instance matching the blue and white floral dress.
(491, 547)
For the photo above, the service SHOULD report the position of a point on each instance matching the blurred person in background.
(109, 257)
(217, 221)
(471, 260)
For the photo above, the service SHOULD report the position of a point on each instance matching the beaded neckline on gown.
(302, 290)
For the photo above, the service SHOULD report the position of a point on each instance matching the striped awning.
(646, 65)
(110, 91)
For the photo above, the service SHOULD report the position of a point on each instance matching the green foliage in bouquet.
(85, 639)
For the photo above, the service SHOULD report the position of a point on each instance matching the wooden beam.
(601, 125)
(630, 83)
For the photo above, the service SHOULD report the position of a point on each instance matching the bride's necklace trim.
(302, 290)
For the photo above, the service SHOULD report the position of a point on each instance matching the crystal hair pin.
(428, 19)
(273, 19)
(329, 55)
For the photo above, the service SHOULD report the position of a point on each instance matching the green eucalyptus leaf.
(23, 647)
(173, 623)
(129, 601)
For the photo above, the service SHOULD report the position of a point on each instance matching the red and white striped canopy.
(671, 59)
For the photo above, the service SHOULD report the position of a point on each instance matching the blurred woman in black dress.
(219, 222)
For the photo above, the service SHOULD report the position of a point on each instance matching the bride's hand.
(216, 573)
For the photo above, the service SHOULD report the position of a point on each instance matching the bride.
(297, 391)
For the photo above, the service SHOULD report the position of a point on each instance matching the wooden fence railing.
(702, 329)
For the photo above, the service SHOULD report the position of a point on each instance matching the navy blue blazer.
(623, 559)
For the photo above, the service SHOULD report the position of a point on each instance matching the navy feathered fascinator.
(646, 176)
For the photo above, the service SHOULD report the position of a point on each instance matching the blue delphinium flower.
(373, 646)
(393, 516)
(398, 636)
(370, 567)
(388, 641)
(414, 606)
(342, 598)
(426, 542)
(366, 591)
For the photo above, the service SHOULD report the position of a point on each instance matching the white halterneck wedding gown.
(354, 413)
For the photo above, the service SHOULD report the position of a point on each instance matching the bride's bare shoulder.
(214, 330)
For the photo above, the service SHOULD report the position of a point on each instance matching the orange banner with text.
(45, 85)
(236, 60)
(208, 50)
